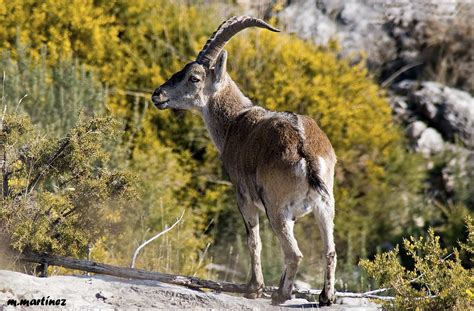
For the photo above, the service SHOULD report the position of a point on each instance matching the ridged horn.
(224, 33)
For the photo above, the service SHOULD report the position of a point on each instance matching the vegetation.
(442, 48)
(57, 181)
(437, 281)
(54, 191)
(88, 63)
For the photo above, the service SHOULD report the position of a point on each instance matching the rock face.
(436, 118)
(316, 26)
(321, 21)
(110, 293)
(393, 35)
(448, 111)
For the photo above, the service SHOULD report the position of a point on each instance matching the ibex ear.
(220, 67)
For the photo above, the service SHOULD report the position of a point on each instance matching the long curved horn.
(224, 33)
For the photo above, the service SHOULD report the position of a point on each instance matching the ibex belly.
(288, 189)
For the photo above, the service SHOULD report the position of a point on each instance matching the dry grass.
(446, 49)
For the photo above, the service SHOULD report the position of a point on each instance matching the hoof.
(278, 298)
(254, 292)
(324, 301)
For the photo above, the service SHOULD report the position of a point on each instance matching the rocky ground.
(110, 293)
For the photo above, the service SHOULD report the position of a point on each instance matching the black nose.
(155, 98)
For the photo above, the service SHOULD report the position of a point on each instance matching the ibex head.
(191, 87)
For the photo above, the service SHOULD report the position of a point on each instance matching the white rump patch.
(323, 167)
(301, 168)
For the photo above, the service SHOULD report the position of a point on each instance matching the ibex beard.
(279, 162)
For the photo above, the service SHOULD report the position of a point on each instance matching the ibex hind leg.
(283, 229)
(324, 213)
(250, 216)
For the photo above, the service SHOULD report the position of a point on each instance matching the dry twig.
(132, 265)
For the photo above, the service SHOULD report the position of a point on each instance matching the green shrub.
(437, 281)
(57, 182)
(54, 191)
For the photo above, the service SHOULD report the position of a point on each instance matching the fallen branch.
(129, 273)
(187, 281)
(132, 265)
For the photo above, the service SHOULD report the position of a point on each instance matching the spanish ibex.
(279, 162)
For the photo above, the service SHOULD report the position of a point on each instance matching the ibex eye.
(194, 79)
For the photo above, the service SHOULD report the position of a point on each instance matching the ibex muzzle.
(279, 162)
(160, 99)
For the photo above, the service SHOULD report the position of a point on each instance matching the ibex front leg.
(250, 215)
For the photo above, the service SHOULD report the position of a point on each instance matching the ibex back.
(279, 162)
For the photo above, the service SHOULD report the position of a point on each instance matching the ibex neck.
(222, 109)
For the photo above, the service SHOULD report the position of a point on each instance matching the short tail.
(314, 178)
(313, 170)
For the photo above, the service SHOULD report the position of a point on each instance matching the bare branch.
(5, 175)
(220, 182)
(19, 102)
(188, 281)
(390, 79)
(38, 177)
(3, 102)
(376, 291)
(132, 265)
(201, 259)
(95, 267)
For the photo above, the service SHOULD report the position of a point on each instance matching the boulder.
(448, 110)
(429, 142)
(423, 139)
(100, 292)
(415, 129)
